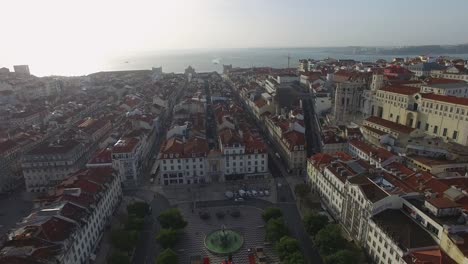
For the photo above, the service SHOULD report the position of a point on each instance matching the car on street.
(240, 199)
(267, 193)
(242, 193)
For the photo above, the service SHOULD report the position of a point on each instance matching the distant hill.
(428, 49)
(406, 50)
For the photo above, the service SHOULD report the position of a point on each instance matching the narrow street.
(285, 198)
(147, 248)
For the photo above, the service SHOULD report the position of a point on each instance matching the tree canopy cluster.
(277, 232)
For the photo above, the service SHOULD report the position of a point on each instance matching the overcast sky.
(71, 30)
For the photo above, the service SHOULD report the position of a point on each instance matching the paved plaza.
(249, 224)
(214, 191)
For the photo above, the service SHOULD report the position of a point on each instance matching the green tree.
(271, 213)
(172, 218)
(345, 256)
(123, 239)
(167, 257)
(329, 240)
(134, 223)
(294, 258)
(285, 246)
(139, 209)
(314, 223)
(167, 237)
(118, 258)
(276, 229)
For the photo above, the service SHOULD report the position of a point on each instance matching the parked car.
(240, 199)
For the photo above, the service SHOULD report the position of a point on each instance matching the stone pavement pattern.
(249, 224)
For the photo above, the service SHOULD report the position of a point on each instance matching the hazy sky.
(63, 31)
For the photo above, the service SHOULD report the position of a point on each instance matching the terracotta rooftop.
(432, 161)
(375, 130)
(125, 145)
(48, 148)
(229, 137)
(443, 203)
(390, 125)
(175, 147)
(294, 138)
(446, 98)
(430, 256)
(103, 156)
(400, 89)
(442, 81)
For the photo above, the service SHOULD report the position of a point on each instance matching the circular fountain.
(224, 241)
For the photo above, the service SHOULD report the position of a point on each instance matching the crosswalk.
(249, 224)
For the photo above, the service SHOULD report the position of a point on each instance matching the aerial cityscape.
(334, 144)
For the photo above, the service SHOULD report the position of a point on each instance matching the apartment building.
(394, 237)
(457, 88)
(126, 159)
(363, 199)
(28, 118)
(244, 155)
(49, 163)
(67, 225)
(435, 114)
(289, 135)
(377, 157)
(93, 130)
(425, 68)
(184, 161)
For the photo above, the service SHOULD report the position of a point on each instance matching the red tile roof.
(364, 147)
(443, 203)
(443, 81)
(7, 146)
(446, 98)
(125, 145)
(103, 156)
(390, 125)
(294, 138)
(375, 130)
(260, 102)
(430, 256)
(48, 148)
(229, 137)
(404, 90)
(194, 147)
(56, 229)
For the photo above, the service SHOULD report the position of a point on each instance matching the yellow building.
(438, 115)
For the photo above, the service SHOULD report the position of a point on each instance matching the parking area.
(259, 188)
